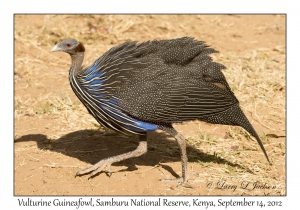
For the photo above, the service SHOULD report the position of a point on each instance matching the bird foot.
(97, 168)
(179, 179)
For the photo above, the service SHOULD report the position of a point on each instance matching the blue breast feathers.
(92, 82)
(131, 124)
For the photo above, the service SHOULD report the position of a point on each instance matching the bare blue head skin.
(71, 46)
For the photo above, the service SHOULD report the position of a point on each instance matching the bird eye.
(68, 45)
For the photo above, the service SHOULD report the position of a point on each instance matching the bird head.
(71, 46)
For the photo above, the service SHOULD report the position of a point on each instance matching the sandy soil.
(55, 136)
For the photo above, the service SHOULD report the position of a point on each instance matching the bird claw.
(97, 168)
(179, 179)
(182, 183)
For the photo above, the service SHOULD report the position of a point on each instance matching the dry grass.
(45, 104)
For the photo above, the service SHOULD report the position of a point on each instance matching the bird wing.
(175, 94)
(159, 81)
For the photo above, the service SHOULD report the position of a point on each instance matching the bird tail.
(251, 130)
(235, 116)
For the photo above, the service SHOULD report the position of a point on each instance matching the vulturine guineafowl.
(141, 87)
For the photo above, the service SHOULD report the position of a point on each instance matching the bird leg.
(98, 167)
(182, 145)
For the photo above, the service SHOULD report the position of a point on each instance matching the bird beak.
(55, 48)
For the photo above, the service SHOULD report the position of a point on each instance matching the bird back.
(158, 81)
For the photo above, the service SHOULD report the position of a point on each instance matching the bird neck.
(77, 60)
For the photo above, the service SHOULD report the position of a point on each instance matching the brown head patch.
(80, 47)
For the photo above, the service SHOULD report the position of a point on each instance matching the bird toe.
(95, 169)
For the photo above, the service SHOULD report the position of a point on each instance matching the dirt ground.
(55, 136)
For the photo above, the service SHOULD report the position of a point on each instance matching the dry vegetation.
(55, 136)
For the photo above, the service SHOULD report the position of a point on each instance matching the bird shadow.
(91, 146)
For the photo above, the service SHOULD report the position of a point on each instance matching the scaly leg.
(98, 167)
(182, 145)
